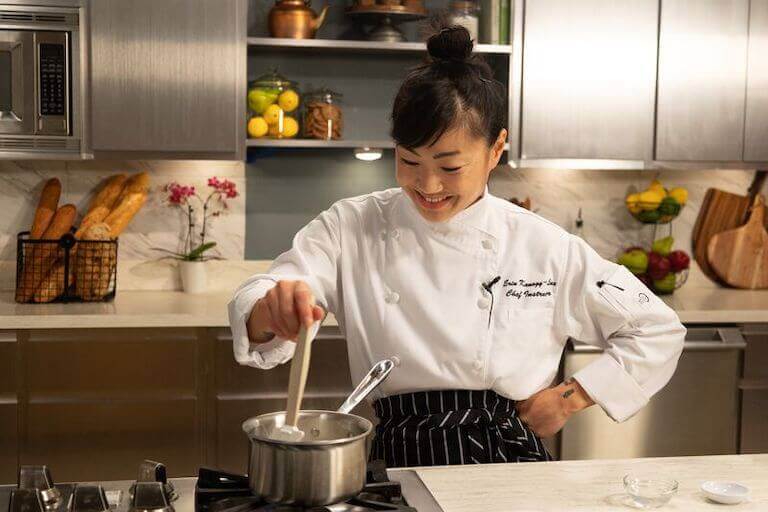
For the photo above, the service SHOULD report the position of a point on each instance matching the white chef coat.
(402, 286)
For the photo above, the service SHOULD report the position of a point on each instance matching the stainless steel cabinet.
(695, 414)
(589, 71)
(756, 128)
(168, 78)
(702, 80)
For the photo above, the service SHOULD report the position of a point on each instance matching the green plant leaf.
(197, 252)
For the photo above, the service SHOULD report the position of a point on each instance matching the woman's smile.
(433, 201)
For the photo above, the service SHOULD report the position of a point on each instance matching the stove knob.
(151, 471)
(39, 477)
(150, 497)
(90, 498)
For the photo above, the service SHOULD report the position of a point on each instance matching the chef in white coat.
(473, 295)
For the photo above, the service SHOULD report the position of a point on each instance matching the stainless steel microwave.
(39, 80)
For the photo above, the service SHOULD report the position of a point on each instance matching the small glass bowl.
(649, 491)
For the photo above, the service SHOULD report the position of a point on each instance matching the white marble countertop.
(698, 301)
(594, 485)
(130, 308)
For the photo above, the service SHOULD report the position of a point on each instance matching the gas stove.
(211, 491)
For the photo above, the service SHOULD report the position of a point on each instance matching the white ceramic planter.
(193, 276)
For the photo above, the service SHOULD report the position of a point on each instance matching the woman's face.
(450, 175)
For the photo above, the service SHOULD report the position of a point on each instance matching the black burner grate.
(217, 491)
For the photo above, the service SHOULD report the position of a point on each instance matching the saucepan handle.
(375, 376)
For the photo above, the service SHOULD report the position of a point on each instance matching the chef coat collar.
(475, 216)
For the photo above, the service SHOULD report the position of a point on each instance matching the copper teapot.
(295, 19)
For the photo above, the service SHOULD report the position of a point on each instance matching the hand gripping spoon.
(297, 380)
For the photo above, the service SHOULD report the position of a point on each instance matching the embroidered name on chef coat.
(522, 289)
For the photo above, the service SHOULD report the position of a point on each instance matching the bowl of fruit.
(661, 269)
(273, 102)
(656, 204)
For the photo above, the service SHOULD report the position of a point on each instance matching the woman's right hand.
(282, 311)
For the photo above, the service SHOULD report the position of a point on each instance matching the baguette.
(119, 218)
(94, 264)
(39, 258)
(137, 183)
(103, 202)
(46, 208)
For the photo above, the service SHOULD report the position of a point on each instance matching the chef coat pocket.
(529, 327)
(630, 297)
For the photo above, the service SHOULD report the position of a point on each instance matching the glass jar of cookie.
(323, 117)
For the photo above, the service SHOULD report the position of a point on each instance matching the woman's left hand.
(547, 411)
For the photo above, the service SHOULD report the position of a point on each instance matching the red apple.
(678, 261)
(658, 266)
(646, 280)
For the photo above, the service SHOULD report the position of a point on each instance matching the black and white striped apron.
(430, 428)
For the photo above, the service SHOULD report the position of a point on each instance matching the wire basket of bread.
(56, 262)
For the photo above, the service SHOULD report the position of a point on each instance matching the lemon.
(257, 127)
(633, 201)
(273, 114)
(288, 100)
(650, 200)
(290, 127)
(679, 194)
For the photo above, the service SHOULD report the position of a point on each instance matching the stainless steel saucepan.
(327, 466)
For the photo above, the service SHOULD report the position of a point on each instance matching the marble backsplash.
(555, 194)
(608, 226)
(155, 226)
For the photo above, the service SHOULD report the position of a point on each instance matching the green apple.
(663, 246)
(635, 260)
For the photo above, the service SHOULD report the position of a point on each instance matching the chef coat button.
(395, 234)
(483, 303)
(478, 365)
(487, 244)
(392, 298)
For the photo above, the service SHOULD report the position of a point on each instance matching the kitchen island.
(593, 485)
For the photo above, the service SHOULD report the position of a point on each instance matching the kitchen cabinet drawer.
(168, 77)
(589, 76)
(756, 353)
(107, 440)
(110, 364)
(8, 362)
(329, 371)
(754, 420)
(756, 128)
(8, 440)
(702, 80)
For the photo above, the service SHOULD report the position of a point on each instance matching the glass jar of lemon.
(273, 104)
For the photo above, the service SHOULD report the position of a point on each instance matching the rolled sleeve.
(258, 355)
(311, 259)
(606, 305)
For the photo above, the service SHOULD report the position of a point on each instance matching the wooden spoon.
(296, 383)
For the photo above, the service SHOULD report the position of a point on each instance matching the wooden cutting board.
(721, 211)
(740, 256)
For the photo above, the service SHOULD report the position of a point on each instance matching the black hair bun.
(450, 44)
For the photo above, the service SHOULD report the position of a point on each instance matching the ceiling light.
(368, 154)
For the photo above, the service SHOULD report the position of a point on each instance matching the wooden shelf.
(324, 144)
(360, 46)
(321, 144)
